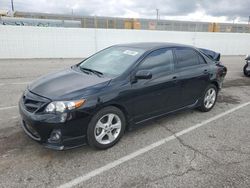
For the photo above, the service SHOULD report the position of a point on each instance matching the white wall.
(40, 42)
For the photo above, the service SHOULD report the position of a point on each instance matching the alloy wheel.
(107, 128)
(210, 98)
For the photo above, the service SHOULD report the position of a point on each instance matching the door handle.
(205, 71)
(174, 78)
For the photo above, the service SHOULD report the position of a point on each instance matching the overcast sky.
(195, 10)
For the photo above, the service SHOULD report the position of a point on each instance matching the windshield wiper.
(98, 73)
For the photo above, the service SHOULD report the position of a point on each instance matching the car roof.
(152, 45)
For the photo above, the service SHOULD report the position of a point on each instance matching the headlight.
(62, 106)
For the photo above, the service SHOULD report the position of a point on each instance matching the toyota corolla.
(97, 100)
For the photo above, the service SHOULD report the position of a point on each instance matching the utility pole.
(234, 20)
(157, 14)
(12, 6)
(72, 13)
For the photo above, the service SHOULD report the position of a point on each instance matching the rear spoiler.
(213, 55)
(247, 57)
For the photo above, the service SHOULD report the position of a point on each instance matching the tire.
(207, 104)
(246, 73)
(105, 123)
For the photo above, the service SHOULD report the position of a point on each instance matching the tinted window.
(207, 59)
(186, 57)
(201, 59)
(159, 61)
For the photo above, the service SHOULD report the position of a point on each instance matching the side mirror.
(143, 74)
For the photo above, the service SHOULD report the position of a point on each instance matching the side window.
(186, 57)
(207, 59)
(201, 59)
(158, 61)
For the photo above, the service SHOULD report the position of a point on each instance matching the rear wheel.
(106, 128)
(209, 98)
(246, 73)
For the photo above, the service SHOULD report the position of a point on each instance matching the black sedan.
(117, 88)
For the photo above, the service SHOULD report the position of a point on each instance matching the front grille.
(34, 103)
(30, 131)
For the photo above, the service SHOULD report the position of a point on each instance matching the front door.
(159, 94)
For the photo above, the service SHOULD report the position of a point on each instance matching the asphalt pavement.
(187, 149)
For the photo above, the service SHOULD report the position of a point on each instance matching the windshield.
(112, 61)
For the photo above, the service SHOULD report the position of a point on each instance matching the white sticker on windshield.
(130, 52)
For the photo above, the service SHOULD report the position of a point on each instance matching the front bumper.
(40, 127)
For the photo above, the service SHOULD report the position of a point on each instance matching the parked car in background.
(95, 101)
(246, 68)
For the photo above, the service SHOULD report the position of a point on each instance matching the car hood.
(67, 84)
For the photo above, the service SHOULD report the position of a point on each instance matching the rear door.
(193, 74)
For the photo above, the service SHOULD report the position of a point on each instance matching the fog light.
(55, 136)
(63, 117)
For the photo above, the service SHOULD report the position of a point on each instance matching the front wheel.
(209, 98)
(106, 128)
(246, 73)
